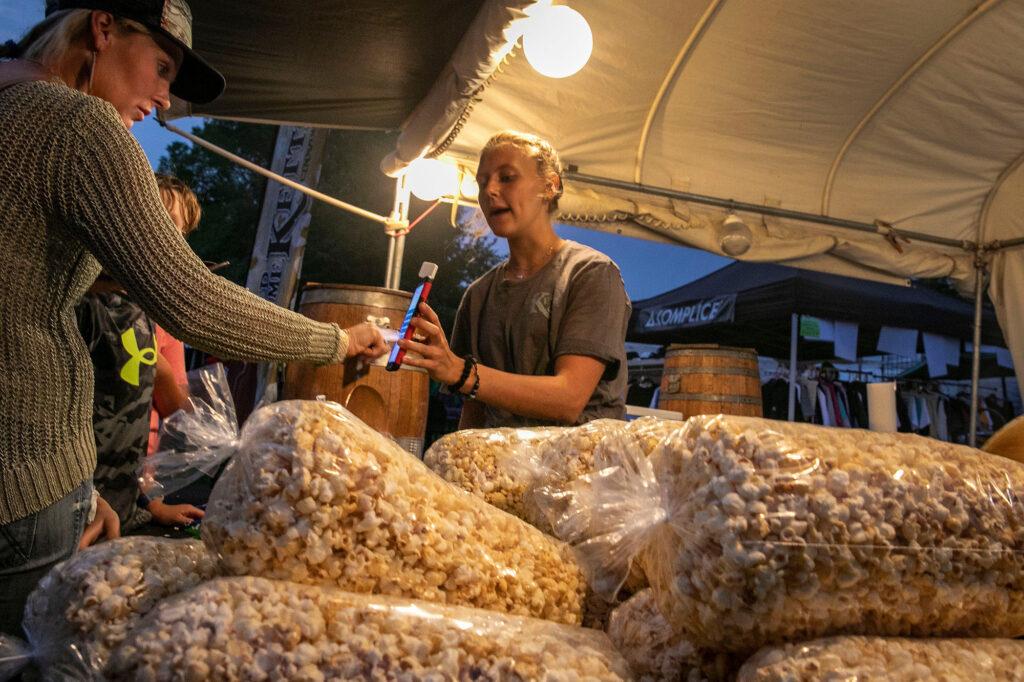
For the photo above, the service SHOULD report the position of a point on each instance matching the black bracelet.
(467, 367)
(476, 385)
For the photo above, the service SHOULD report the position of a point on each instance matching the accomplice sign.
(691, 314)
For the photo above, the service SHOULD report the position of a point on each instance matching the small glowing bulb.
(469, 188)
(430, 179)
(558, 41)
(734, 236)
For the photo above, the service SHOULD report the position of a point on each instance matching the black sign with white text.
(693, 314)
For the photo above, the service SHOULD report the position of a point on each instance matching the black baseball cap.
(197, 81)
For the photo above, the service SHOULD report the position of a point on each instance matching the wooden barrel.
(711, 379)
(394, 403)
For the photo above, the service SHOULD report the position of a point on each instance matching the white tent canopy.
(910, 114)
(907, 113)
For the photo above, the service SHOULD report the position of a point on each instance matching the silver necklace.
(520, 275)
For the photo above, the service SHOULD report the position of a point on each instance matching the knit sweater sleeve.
(108, 198)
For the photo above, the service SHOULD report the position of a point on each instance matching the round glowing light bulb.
(734, 236)
(430, 179)
(558, 41)
(469, 188)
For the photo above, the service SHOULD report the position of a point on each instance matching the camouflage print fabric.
(122, 343)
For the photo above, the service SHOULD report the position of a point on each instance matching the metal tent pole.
(396, 273)
(980, 282)
(390, 265)
(794, 337)
(245, 163)
(732, 205)
(396, 228)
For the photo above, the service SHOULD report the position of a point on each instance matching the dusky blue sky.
(648, 268)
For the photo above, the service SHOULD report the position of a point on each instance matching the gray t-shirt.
(574, 305)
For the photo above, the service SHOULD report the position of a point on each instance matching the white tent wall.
(1003, 219)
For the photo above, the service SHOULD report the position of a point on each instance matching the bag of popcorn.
(256, 629)
(753, 531)
(493, 464)
(891, 659)
(655, 653)
(82, 610)
(315, 496)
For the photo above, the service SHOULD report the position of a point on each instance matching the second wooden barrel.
(711, 379)
(394, 403)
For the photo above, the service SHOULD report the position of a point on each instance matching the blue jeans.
(29, 547)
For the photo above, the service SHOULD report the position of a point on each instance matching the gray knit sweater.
(77, 194)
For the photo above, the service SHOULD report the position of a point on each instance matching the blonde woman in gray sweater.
(77, 195)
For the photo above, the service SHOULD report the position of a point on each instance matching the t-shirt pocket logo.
(542, 305)
(137, 358)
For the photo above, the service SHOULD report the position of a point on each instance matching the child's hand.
(105, 524)
(174, 514)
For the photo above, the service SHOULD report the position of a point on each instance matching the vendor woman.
(77, 195)
(540, 338)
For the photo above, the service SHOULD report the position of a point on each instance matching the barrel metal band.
(373, 299)
(709, 352)
(712, 398)
(716, 371)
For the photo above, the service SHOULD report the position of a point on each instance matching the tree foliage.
(231, 197)
(341, 247)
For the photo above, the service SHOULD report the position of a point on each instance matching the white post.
(980, 282)
(794, 337)
(396, 227)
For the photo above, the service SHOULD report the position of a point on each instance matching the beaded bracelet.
(476, 384)
(467, 367)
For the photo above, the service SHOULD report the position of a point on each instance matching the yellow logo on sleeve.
(146, 356)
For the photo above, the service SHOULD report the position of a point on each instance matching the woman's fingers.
(424, 349)
(429, 315)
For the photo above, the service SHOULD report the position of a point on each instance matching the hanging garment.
(857, 393)
(936, 405)
(809, 398)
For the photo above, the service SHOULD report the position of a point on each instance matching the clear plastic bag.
(657, 654)
(257, 629)
(316, 496)
(878, 659)
(84, 607)
(196, 441)
(754, 531)
(496, 465)
(562, 490)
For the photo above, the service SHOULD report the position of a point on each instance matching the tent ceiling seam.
(826, 197)
(990, 197)
(684, 53)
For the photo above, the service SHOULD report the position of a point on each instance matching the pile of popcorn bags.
(719, 548)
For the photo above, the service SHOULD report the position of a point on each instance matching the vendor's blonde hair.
(48, 41)
(538, 149)
(174, 192)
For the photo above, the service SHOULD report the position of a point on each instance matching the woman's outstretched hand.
(365, 340)
(437, 358)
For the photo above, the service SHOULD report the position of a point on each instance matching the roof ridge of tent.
(991, 196)
(915, 68)
(689, 45)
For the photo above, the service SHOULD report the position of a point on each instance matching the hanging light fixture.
(431, 179)
(558, 41)
(469, 188)
(734, 237)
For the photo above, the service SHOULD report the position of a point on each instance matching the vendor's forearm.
(540, 397)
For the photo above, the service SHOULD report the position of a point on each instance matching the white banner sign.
(281, 235)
